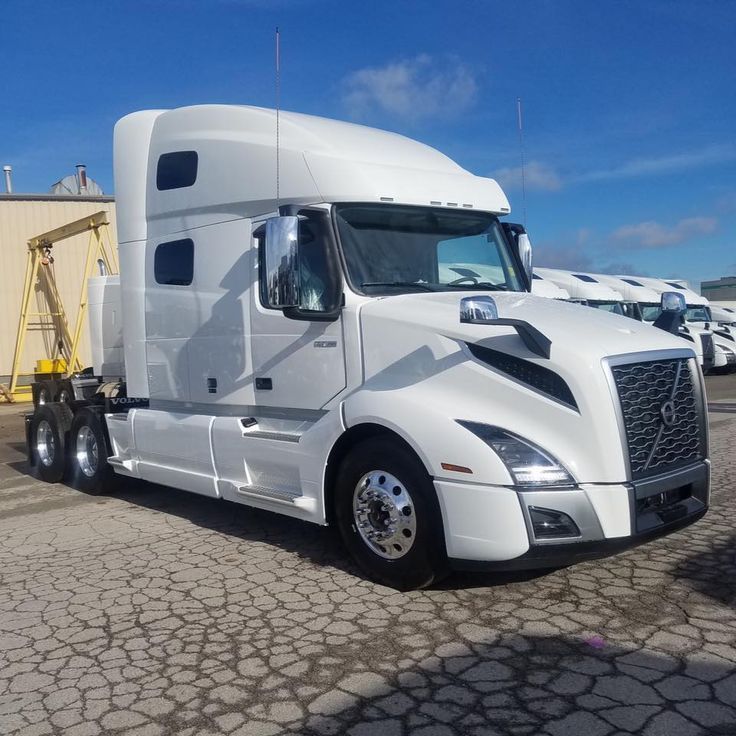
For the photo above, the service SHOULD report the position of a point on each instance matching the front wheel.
(388, 515)
(88, 464)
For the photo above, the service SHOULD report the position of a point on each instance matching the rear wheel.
(89, 469)
(48, 440)
(46, 393)
(388, 515)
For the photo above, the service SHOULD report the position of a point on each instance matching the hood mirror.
(478, 309)
(673, 302)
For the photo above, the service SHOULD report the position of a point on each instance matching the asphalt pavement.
(153, 611)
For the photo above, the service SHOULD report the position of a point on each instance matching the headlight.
(528, 464)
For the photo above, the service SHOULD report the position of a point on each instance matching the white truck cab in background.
(698, 319)
(584, 288)
(360, 348)
(547, 289)
(649, 308)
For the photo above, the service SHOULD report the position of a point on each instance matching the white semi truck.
(698, 318)
(545, 288)
(311, 348)
(585, 289)
(647, 308)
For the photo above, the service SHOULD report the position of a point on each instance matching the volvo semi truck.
(354, 343)
(585, 289)
(698, 318)
(545, 288)
(647, 308)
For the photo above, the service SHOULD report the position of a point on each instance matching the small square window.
(176, 170)
(173, 262)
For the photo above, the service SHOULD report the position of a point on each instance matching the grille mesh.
(643, 388)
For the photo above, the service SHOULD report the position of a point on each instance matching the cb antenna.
(523, 162)
(278, 106)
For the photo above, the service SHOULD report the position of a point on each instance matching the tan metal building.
(23, 216)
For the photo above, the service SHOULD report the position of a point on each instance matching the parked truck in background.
(698, 317)
(582, 287)
(545, 288)
(328, 349)
(648, 309)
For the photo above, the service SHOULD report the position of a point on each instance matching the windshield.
(391, 249)
(650, 312)
(613, 307)
(699, 313)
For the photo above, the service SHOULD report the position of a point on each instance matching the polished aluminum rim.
(45, 444)
(384, 514)
(87, 451)
(43, 397)
(64, 396)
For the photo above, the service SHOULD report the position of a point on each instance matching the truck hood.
(584, 332)
(419, 376)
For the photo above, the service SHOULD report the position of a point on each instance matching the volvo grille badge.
(667, 412)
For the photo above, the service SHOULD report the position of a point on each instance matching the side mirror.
(524, 246)
(673, 302)
(281, 262)
(519, 239)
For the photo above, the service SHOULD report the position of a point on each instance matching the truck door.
(299, 362)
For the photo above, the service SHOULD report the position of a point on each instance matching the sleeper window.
(173, 262)
(176, 170)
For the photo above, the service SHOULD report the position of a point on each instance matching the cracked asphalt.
(153, 611)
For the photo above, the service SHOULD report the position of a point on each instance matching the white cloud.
(652, 234)
(664, 164)
(537, 175)
(412, 89)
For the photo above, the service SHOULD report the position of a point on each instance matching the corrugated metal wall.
(21, 219)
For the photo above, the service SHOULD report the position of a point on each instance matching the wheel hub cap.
(45, 444)
(87, 451)
(383, 512)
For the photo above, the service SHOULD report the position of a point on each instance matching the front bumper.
(490, 527)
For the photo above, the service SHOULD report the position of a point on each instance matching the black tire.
(48, 435)
(426, 559)
(88, 467)
(46, 392)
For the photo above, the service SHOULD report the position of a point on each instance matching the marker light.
(528, 464)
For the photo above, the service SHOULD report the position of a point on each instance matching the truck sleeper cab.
(363, 350)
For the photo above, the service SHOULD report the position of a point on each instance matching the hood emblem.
(668, 413)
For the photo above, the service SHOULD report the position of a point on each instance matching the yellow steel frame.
(99, 247)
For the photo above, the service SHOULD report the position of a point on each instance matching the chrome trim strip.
(236, 410)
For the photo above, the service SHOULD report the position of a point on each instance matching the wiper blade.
(483, 285)
(411, 284)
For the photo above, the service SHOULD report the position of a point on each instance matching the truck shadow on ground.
(320, 545)
(712, 573)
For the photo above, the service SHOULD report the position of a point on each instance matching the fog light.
(549, 524)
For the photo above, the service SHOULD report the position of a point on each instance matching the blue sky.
(629, 106)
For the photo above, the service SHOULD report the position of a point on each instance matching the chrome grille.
(661, 413)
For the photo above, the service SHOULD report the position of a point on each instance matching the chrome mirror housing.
(672, 301)
(281, 262)
(524, 246)
(478, 309)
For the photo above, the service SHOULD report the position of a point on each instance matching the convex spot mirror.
(281, 262)
(673, 302)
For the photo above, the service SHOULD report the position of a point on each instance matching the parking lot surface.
(153, 611)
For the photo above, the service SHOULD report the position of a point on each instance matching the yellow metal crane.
(66, 341)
